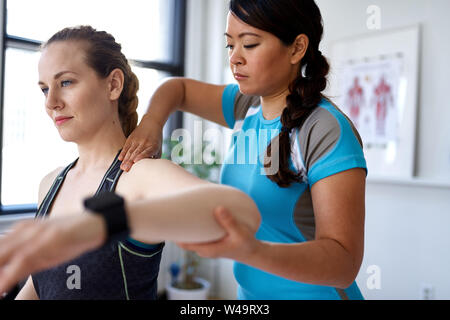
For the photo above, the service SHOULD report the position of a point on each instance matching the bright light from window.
(139, 25)
(32, 146)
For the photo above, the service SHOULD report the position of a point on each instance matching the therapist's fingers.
(239, 242)
(132, 154)
(223, 247)
(138, 151)
(226, 220)
(209, 250)
(147, 153)
(144, 142)
(125, 149)
(127, 160)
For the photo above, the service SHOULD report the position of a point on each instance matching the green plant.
(188, 272)
(202, 170)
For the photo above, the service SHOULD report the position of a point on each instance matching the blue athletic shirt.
(326, 144)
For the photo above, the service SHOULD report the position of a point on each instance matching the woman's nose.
(236, 57)
(52, 100)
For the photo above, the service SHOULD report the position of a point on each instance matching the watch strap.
(111, 207)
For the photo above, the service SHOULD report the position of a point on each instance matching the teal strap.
(142, 244)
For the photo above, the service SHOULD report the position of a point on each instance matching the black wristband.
(111, 207)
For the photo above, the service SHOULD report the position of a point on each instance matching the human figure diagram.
(382, 99)
(355, 101)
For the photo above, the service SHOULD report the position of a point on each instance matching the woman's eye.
(250, 46)
(65, 83)
(229, 47)
(44, 90)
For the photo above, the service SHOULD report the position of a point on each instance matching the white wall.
(407, 237)
(346, 18)
(407, 222)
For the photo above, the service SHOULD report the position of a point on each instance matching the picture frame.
(374, 80)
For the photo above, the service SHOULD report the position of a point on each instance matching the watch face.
(104, 200)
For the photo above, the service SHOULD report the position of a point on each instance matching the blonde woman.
(90, 94)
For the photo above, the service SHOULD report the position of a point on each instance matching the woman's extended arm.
(185, 214)
(178, 206)
(28, 292)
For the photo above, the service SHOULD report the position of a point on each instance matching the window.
(152, 37)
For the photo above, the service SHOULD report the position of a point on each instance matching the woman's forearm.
(187, 216)
(184, 216)
(322, 262)
(166, 99)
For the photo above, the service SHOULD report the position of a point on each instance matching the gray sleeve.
(242, 103)
(316, 137)
(319, 134)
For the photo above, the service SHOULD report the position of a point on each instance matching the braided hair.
(286, 19)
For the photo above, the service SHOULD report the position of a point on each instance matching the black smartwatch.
(111, 207)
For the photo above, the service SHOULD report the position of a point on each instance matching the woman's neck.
(99, 151)
(274, 104)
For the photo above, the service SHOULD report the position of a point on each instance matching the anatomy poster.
(370, 96)
(374, 81)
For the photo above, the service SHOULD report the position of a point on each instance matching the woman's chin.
(247, 90)
(67, 137)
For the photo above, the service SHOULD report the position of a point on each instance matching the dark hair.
(104, 54)
(286, 19)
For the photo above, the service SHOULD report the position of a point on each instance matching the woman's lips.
(61, 120)
(239, 76)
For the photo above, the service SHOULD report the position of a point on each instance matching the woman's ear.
(299, 48)
(116, 81)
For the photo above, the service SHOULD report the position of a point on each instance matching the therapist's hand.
(238, 244)
(37, 245)
(144, 142)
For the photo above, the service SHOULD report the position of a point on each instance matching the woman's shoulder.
(145, 170)
(325, 128)
(47, 181)
(158, 169)
(147, 166)
(328, 121)
(155, 176)
(51, 176)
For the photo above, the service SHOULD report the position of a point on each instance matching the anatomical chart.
(371, 94)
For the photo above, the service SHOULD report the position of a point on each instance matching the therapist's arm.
(177, 93)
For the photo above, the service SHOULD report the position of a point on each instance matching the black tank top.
(120, 270)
